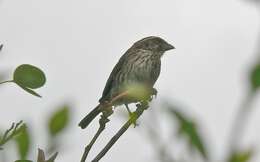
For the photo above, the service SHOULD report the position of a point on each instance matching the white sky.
(77, 43)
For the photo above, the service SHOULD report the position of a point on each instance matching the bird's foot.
(133, 117)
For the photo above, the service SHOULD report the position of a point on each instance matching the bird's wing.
(111, 78)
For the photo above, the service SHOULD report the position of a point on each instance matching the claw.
(134, 122)
(130, 114)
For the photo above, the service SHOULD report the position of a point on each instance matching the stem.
(102, 124)
(106, 108)
(139, 111)
(10, 133)
(8, 81)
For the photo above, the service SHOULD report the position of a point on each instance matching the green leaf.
(23, 161)
(188, 129)
(29, 76)
(241, 156)
(30, 91)
(59, 120)
(13, 131)
(255, 77)
(23, 142)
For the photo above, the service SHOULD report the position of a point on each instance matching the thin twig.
(102, 124)
(106, 108)
(8, 81)
(107, 111)
(139, 111)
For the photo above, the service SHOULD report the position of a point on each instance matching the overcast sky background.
(77, 43)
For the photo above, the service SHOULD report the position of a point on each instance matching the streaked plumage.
(141, 64)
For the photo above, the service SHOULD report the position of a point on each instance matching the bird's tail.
(91, 116)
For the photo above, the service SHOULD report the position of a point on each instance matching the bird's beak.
(169, 47)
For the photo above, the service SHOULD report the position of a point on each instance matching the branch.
(107, 111)
(106, 108)
(11, 132)
(8, 81)
(102, 124)
(139, 111)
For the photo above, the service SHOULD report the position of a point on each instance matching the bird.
(139, 65)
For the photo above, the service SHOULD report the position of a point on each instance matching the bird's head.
(153, 43)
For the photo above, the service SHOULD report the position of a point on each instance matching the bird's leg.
(130, 113)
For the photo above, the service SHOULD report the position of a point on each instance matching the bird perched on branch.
(140, 65)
